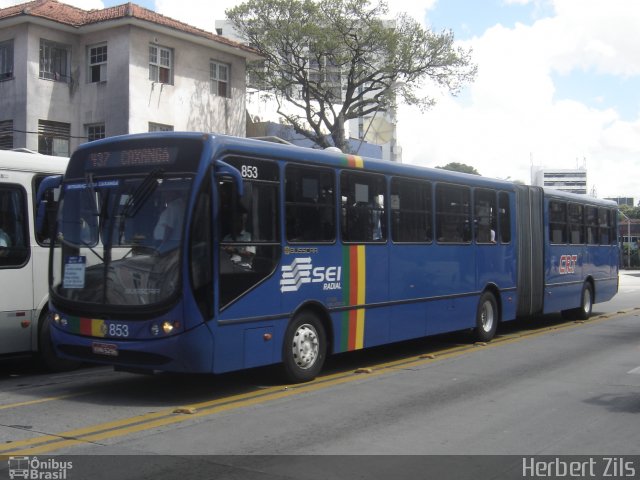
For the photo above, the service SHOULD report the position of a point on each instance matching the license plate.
(108, 349)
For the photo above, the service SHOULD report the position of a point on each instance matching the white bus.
(24, 257)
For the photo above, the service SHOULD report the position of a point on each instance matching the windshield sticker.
(74, 272)
(100, 184)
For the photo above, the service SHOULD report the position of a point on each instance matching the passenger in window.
(241, 255)
(167, 230)
(5, 239)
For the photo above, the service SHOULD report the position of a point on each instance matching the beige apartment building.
(68, 76)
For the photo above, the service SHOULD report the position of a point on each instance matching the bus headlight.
(155, 330)
(56, 318)
(167, 327)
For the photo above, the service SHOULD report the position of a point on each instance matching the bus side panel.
(564, 277)
(408, 281)
(497, 266)
(240, 343)
(16, 268)
(451, 286)
(364, 281)
(603, 270)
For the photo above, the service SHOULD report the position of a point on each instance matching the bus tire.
(46, 352)
(304, 349)
(583, 312)
(486, 318)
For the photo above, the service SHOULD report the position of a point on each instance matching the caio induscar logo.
(33, 468)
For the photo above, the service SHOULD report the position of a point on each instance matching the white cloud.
(510, 114)
(195, 12)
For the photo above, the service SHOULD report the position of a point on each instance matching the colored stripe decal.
(355, 161)
(361, 297)
(353, 321)
(89, 327)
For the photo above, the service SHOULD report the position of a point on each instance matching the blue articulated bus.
(193, 252)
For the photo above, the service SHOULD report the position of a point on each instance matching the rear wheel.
(586, 303)
(305, 348)
(487, 317)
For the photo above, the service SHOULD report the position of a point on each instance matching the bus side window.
(505, 217)
(485, 216)
(14, 235)
(557, 222)
(593, 234)
(453, 214)
(411, 211)
(248, 228)
(310, 204)
(363, 212)
(604, 225)
(576, 224)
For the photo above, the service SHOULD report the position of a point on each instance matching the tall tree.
(336, 60)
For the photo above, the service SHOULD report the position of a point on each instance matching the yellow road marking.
(41, 400)
(127, 426)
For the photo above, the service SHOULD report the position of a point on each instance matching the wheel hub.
(305, 346)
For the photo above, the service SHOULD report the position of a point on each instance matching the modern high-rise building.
(566, 180)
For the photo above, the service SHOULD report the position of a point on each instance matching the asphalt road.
(543, 388)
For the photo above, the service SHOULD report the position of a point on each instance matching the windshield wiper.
(61, 239)
(138, 198)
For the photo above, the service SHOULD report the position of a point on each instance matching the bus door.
(248, 235)
(363, 214)
(16, 275)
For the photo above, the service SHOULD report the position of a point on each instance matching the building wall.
(188, 103)
(127, 101)
(48, 99)
(13, 94)
(106, 102)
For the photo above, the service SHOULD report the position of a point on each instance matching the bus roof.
(288, 152)
(337, 159)
(32, 162)
(582, 198)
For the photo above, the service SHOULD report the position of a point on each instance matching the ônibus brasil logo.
(32, 468)
(301, 271)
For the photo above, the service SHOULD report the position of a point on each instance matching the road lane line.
(99, 432)
(44, 400)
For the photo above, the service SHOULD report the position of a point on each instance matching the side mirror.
(49, 183)
(223, 169)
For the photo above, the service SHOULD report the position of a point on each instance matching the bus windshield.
(120, 239)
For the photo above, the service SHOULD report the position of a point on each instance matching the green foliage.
(630, 212)
(460, 167)
(630, 254)
(337, 60)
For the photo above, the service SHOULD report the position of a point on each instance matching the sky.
(558, 86)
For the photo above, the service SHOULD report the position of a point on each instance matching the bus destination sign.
(135, 157)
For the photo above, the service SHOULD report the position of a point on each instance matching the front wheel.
(486, 318)
(47, 354)
(305, 348)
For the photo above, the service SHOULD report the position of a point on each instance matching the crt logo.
(567, 264)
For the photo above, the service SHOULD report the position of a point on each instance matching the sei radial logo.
(302, 271)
